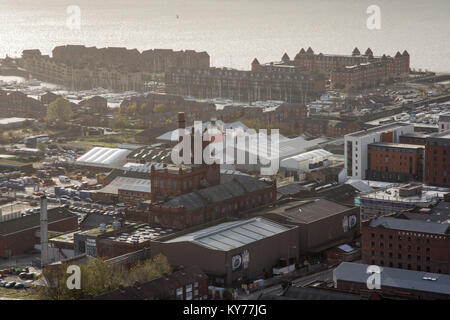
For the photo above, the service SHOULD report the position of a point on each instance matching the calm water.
(234, 32)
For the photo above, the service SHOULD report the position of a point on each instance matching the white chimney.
(44, 232)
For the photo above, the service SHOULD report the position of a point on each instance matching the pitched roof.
(238, 186)
(32, 221)
(157, 289)
(230, 235)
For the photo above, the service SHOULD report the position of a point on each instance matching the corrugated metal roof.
(127, 183)
(309, 155)
(109, 157)
(230, 235)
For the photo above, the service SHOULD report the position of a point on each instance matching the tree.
(159, 108)
(147, 270)
(59, 111)
(98, 277)
(119, 122)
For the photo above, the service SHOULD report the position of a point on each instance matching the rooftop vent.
(430, 277)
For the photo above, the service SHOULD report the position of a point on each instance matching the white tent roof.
(309, 155)
(104, 157)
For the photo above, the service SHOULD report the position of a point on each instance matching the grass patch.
(110, 141)
(27, 294)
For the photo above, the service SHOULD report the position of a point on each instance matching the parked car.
(19, 286)
(2, 283)
(28, 283)
(10, 284)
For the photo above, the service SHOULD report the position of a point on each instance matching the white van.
(64, 179)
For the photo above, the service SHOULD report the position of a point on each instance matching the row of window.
(189, 292)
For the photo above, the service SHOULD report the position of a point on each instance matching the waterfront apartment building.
(326, 63)
(119, 69)
(395, 162)
(371, 73)
(153, 61)
(346, 71)
(407, 244)
(81, 77)
(356, 145)
(437, 159)
(284, 84)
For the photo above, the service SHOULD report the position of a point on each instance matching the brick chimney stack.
(181, 120)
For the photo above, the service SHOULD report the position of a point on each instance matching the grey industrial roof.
(395, 278)
(33, 221)
(390, 126)
(308, 211)
(301, 293)
(291, 189)
(396, 145)
(126, 183)
(440, 213)
(410, 225)
(230, 235)
(444, 117)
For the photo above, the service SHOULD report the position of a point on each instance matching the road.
(325, 275)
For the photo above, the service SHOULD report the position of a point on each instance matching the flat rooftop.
(140, 235)
(390, 127)
(308, 211)
(410, 225)
(392, 194)
(395, 278)
(441, 135)
(397, 145)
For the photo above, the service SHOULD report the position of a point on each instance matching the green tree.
(147, 270)
(97, 277)
(119, 122)
(59, 111)
(159, 108)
